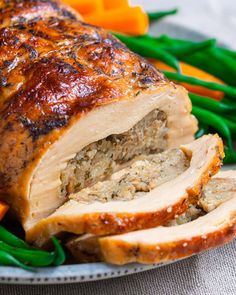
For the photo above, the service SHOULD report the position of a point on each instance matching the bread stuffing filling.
(100, 159)
(142, 176)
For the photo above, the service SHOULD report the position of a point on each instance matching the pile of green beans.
(147, 47)
(15, 252)
(219, 62)
(213, 116)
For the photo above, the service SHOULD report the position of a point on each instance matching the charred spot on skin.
(37, 129)
(21, 20)
(68, 14)
(3, 81)
(88, 25)
(25, 163)
(32, 51)
(9, 126)
(35, 19)
(7, 38)
(9, 84)
(16, 40)
(145, 82)
(5, 179)
(72, 54)
(7, 63)
(85, 37)
(221, 158)
(135, 251)
(21, 27)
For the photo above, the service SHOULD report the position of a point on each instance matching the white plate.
(92, 271)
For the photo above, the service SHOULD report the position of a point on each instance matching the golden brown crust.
(54, 69)
(121, 252)
(15, 12)
(110, 223)
(96, 248)
(103, 223)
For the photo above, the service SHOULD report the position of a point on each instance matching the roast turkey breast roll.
(76, 105)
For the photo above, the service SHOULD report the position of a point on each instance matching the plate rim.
(67, 274)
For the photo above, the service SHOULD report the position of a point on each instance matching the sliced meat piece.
(87, 248)
(218, 190)
(70, 91)
(151, 209)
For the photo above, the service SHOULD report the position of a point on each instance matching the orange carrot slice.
(86, 6)
(189, 70)
(3, 209)
(128, 20)
(113, 4)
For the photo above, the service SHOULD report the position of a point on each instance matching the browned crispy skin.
(91, 250)
(169, 251)
(54, 68)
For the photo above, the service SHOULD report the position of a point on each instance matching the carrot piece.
(3, 209)
(194, 72)
(86, 6)
(128, 20)
(113, 4)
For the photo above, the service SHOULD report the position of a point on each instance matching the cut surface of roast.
(162, 244)
(145, 174)
(155, 199)
(99, 160)
(75, 105)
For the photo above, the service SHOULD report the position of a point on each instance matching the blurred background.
(213, 17)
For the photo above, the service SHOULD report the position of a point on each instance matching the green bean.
(141, 47)
(230, 124)
(59, 253)
(31, 257)
(230, 156)
(212, 60)
(228, 90)
(216, 63)
(157, 15)
(7, 259)
(12, 240)
(231, 117)
(228, 52)
(214, 121)
(186, 50)
(178, 50)
(26, 254)
(211, 104)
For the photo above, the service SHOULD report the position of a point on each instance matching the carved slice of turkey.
(163, 244)
(151, 191)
